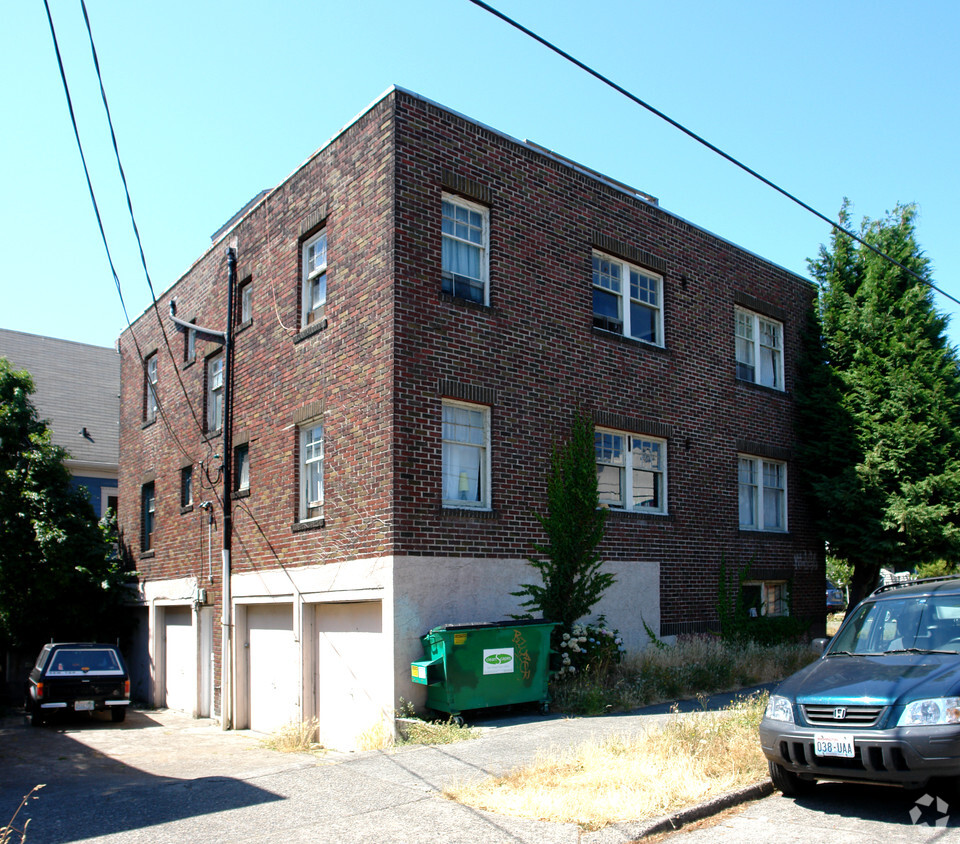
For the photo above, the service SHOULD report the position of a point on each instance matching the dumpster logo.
(498, 661)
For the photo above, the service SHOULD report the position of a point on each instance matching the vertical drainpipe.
(226, 636)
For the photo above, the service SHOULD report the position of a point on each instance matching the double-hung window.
(464, 249)
(314, 294)
(148, 505)
(627, 300)
(759, 342)
(215, 384)
(762, 493)
(311, 471)
(186, 486)
(246, 302)
(631, 471)
(150, 388)
(466, 455)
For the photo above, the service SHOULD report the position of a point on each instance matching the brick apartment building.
(419, 309)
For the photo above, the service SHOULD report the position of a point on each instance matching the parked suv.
(882, 704)
(80, 677)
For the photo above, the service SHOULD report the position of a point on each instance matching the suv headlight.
(937, 710)
(779, 708)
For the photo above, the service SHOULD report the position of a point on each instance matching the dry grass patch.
(691, 759)
(295, 737)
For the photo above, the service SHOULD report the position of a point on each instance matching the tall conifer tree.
(880, 405)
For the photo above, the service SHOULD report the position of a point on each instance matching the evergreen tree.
(879, 405)
(569, 563)
(58, 575)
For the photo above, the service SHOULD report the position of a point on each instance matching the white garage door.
(351, 672)
(274, 673)
(180, 659)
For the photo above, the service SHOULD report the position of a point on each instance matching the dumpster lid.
(486, 625)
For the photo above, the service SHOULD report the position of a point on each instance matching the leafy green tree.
(568, 562)
(58, 575)
(879, 405)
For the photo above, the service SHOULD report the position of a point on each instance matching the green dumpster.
(474, 666)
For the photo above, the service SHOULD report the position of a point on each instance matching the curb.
(632, 831)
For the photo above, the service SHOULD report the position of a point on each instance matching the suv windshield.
(927, 623)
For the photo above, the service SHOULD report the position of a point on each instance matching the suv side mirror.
(819, 645)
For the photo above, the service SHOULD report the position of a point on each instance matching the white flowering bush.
(589, 648)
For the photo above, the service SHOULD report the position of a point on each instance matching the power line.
(96, 209)
(712, 147)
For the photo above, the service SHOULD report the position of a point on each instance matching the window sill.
(630, 515)
(764, 534)
(240, 493)
(452, 299)
(147, 555)
(763, 388)
(243, 326)
(147, 423)
(448, 512)
(188, 363)
(310, 330)
(628, 341)
(186, 509)
(212, 435)
(312, 524)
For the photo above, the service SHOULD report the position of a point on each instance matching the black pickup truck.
(78, 677)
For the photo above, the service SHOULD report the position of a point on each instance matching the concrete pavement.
(162, 777)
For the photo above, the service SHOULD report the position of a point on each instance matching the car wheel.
(789, 783)
(118, 713)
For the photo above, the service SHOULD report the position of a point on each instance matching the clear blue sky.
(215, 101)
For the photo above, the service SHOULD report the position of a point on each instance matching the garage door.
(180, 659)
(274, 673)
(351, 672)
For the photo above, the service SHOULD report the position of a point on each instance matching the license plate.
(834, 745)
(83, 705)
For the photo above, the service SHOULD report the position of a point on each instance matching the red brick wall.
(536, 348)
(391, 340)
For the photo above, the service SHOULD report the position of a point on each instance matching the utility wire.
(96, 210)
(712, 147)
(133, 220)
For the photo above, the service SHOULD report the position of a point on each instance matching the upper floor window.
(314, 294)
(190, 343)
(215, 385)
(148, 502)
(762, 493)
(759, 349)
(311, 471)
(246, 301)
(627, 299)
(241, 468)
(631, 471)
(464, 252)
(466, 455)
(150, 389)
(186, 486)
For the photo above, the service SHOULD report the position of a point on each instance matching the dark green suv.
(882, 704)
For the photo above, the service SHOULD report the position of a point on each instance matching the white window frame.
(150, 376)
(246, 301)
(241, 464)
(450, 280)
(312, 454)
(622, 289)
(313, 273)
(774, 598)
(750, 331)
(757, 496)
(621, 457)
(460, 502)
(148, 516)
(215, 385)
